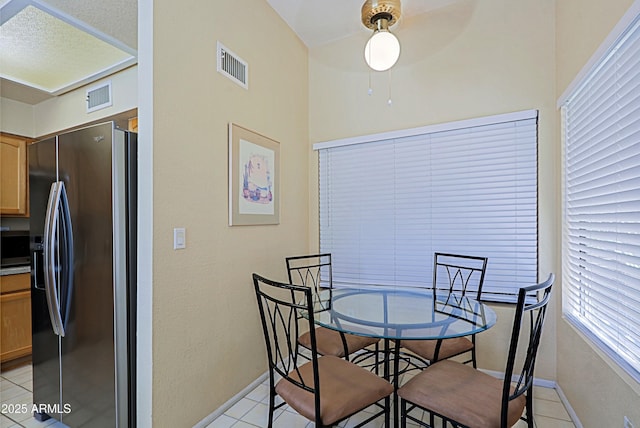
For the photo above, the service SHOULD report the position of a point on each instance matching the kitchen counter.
(15, 270)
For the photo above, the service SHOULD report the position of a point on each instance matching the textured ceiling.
(115, 18)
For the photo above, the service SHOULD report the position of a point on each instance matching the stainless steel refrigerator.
(82, 188)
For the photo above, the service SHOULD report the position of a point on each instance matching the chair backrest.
(459, 274)
(313, 271)
(278, 304)
(536, 308)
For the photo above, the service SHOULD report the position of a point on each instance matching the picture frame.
(254, 178)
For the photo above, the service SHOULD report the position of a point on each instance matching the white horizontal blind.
(601, 242)
(387, 206)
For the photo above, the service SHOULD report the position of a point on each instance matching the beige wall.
(70, 109)
(599, 391)
(207, 342)
(16, 118)
(473, 58)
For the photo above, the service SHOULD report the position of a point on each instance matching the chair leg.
(272, 403)
(344, 346)
(530, 423)
(387, 411)
(396, 376)
(473, 352)
(403, 413)
(376, 351)
(473, 358)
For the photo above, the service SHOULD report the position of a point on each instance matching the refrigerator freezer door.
(88, 367)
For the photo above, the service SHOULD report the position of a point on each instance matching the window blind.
(387, 205)
(601, 231)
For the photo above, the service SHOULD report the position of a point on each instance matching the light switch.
(179, 238)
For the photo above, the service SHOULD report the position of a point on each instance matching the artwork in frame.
(254, 178)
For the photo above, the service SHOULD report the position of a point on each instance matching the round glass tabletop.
(401, 313)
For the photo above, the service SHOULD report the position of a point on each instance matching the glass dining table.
(400, 313)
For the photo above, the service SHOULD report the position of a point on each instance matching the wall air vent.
(99, 97)
(232, 66)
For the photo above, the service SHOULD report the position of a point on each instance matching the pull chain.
(389, 102)
(370, 90)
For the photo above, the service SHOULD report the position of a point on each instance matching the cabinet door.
(17, 282)
(13, 176)
(15, 333)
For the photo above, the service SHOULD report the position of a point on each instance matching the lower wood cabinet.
(15, 313)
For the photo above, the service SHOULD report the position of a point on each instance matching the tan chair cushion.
(345, 388)
(427, 348)
(462, 393)
(328, 342)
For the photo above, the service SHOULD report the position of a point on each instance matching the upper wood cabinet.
(14, 198)
(133, 124)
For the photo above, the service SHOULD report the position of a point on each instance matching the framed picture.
(254, 178)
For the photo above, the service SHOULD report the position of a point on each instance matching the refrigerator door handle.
(66, 293)
(36, 284)
(50, 253)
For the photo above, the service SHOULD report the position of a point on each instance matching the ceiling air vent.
(99, 97)
(232, 66)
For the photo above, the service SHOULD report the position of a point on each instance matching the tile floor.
(16, 400)
(250, 412)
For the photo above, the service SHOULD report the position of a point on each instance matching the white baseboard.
(544, 383)
(567, 405)
(239, 396)
(229, 403)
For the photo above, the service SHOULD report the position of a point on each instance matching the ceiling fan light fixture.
(383, 47)
(382, 50)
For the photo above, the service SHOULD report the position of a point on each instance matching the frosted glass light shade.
(382, 50)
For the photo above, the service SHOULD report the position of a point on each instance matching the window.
(388, 202)
(601, 239)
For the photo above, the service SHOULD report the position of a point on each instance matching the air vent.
(232, 66)
(99, 97)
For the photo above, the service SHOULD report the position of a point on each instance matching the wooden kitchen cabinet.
(15, 315)
(133, 124)
(14, 198)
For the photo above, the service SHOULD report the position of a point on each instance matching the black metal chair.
(466, 397)
(315, 271)
(453, 275)
(327, 389)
